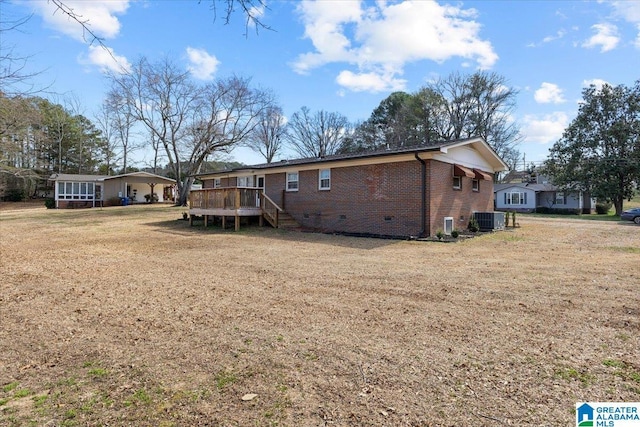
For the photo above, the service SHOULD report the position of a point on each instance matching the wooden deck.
(234, 202)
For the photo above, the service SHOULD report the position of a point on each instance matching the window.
(448, 225)
(560, 199)
(324, 179)
(292, 181)
(515, 198)
(245, 181)
(457, 182)
(475, 185)
(76, 191)
(217, 183)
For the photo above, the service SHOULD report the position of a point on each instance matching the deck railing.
(225, 198)
(270, 210)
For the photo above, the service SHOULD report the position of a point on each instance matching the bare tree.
(15, 79)
(122, 121)
(267, 137)
(481, 104)
(105, 121)
(317, 135)
(191, 122)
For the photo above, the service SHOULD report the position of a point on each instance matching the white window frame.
(560, 198)
(448, 225)
(458, 185)
(324, 183)
(521, 198)
(475, 185)
(292, 184)
(217, 182)
(75, 190)
(245, 181)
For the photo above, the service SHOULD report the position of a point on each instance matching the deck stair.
(276, 216)
(287, 222)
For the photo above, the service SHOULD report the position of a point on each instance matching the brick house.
(397, 193)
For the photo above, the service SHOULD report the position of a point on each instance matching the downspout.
(423, 213)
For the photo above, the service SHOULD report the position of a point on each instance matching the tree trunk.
(617, 203)
(183, 192)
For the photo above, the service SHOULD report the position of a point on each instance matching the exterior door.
(259, 185)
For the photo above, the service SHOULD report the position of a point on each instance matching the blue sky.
(345, 55)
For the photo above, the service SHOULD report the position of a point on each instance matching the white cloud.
(546, 129)
(606, 36)
(202, 65)
(630, 12)
(369, 82)
(598, 83)
(549, 93)
(560, 34)
(379, 40)
(98, 16)
(107, 60)
(548, 39)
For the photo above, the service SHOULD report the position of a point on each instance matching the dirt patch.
(128, 316)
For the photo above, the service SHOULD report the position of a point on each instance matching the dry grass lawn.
(127, 316)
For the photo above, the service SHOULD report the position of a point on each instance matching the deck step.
(287, 222)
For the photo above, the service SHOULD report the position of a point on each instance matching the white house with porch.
(85, 191)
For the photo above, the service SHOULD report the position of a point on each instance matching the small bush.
(474, 227)
(49, 203)
(15, 195)
(147, 197)
(440, 234)
(603, 208)
(455, 234)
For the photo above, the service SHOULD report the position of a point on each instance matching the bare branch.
(251, 9)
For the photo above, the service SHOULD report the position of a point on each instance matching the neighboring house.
(404, 192)
(545, 197)
(73, 190)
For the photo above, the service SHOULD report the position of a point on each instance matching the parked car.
(631, 215)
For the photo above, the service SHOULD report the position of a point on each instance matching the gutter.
(423, 213)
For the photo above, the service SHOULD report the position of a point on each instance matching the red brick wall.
(224, 182)
(373, 199)
(444, 201)
(75, 204)
(274, 184)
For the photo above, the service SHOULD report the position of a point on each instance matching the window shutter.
(505, 198)
(525, 198)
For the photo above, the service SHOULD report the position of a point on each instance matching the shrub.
(15, 195)
(473, 225)
(603, 208)
(558, 211)
(455, 234)
(49, 203)
(440, 234)
(147, 197)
